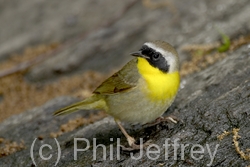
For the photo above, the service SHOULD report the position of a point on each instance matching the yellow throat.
(160, 86)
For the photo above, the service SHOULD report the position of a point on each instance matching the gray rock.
(33, 22)
(214, 100)
(193, 22)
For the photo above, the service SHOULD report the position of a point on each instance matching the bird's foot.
(172, 119)
(133, 146)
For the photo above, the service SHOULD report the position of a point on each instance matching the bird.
(140, 92)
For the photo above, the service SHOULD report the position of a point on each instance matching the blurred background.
(59, 48)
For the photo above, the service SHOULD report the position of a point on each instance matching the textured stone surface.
(32, 22)
(192, 22)
(209, 104)
(212, 101)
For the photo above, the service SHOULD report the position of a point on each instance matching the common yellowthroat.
(141, 91)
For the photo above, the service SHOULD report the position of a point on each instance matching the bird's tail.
(92, 102)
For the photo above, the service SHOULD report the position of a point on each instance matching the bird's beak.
(139, 54)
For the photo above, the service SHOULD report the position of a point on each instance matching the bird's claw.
(172, 119)
(135, 147)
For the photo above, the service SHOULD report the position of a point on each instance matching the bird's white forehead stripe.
(157, 49)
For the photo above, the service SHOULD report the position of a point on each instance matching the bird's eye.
(156, 56)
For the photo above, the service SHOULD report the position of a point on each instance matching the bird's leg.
(130, 139)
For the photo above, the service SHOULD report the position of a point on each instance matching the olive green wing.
(124, 80)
